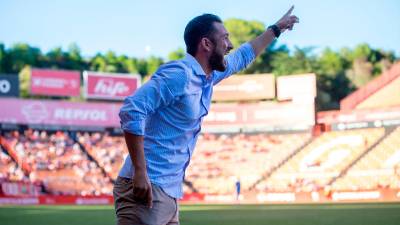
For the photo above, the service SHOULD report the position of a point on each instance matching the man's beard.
(217, 62)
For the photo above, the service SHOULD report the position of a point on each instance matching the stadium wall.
(351, 196)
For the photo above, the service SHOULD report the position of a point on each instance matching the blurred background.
(314, 120)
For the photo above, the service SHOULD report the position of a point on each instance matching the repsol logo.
(5, 86)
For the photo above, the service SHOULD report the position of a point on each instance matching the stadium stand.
(9, 170)
(377, 169)
(59, 162)
(108, 151)
(322, 160)
(221, 159)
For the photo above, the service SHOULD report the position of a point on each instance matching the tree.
(330, 63)
(241, 31)
(142, 67)
(55, 58)
(24, 81)
(177, 54)
(361, 71)
(301, 62)
(338, 72)
(130, 65)
(19, 56)
(111, 62)
(2, 58)
(332, 83)
(98, 63)
(153, 63)
(74, 58)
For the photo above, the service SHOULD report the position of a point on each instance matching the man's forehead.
(220, 28)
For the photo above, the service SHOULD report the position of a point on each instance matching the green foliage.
(2, 58)
(242, 31)
(177, 54)
(300, 62)
(338, 72)
(330, 63)
(98, 63)
(130, 65)
(142, 67)
(24, 81)
(152, 64)
(20, 55)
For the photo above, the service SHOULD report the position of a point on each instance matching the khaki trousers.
(130, 212)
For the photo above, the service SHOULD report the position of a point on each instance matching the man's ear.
(206, 44)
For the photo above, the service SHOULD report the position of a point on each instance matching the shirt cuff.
(134, 127)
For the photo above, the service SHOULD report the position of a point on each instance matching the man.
(162, 120)
(237, 185)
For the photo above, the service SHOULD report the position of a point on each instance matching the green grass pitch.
(324, 214)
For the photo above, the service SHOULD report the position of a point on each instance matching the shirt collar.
(198, 70)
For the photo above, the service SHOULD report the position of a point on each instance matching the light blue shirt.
(168, 111)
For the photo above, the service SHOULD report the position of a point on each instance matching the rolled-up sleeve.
(156, 93)
(235, 62)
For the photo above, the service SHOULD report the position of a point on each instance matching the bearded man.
(162, 119)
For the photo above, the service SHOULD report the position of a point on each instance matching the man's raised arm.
(263, 40)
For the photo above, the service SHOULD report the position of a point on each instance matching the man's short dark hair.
(199, 27)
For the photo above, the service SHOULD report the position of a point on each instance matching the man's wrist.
(140, 169)
(275, 30)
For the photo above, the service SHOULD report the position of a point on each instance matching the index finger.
(290, 11)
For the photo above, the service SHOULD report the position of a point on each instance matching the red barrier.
(377, 195)
(56, 200)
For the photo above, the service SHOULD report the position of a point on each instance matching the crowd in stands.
(9, 170)
(108, 151)
(59, 162)
(219, 161)
(87, 163)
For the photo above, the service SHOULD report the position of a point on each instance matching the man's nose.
(230, 45)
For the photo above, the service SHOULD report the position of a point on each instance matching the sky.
(155, 27)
